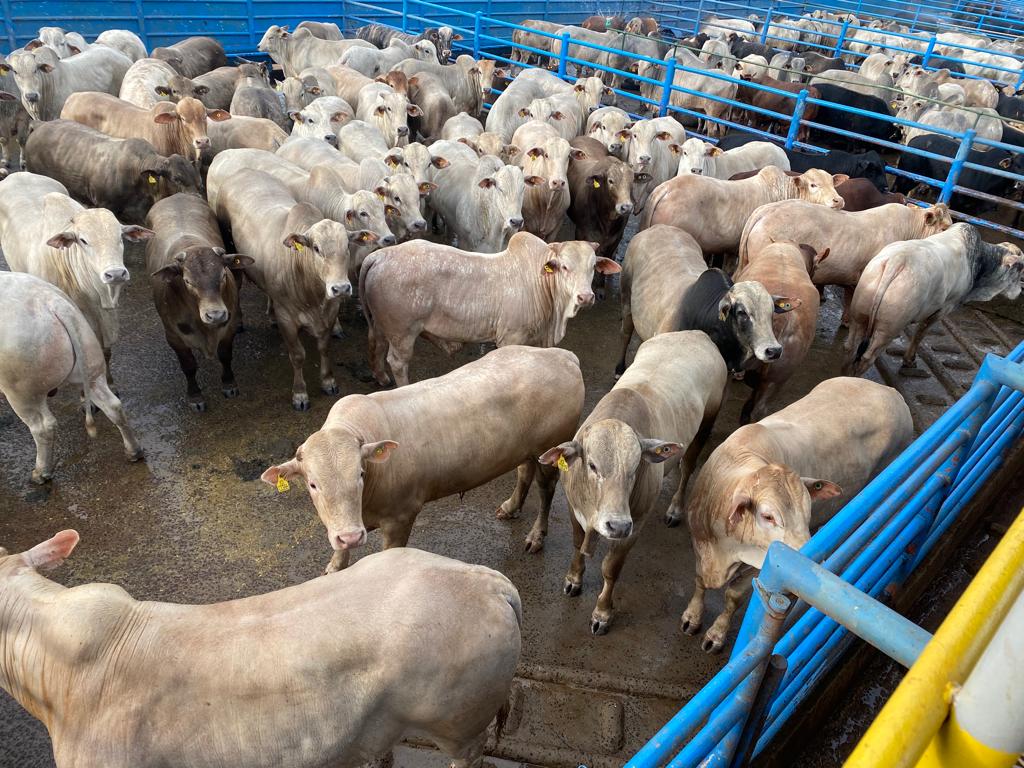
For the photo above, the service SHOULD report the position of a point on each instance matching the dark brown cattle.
(125, 176)
(604, 23)
(223, 81)
(776, 103)
(193, 56)
(861, 194)
(642, 25)
(194, 288)
(600, 188)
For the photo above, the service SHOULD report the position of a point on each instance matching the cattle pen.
(814, 613)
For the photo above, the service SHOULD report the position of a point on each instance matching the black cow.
(815, 63)
(881, 128)
(992, 184)
(740, 48)
(938, 62)
(1011, 107)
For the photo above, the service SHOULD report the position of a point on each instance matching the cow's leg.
(756, 408)
(328, 385)
(297, 356)
(674, 513)
(611, 567)
(469, 755)
(513, 505)
(693, 616)
(107, 402)
(396, 530)
(627, 336)
(574, 578)
(187, 361)
(847, 301)
(398, 357)
(377, 349)
(735, 591)
(339, 560)
(41, 423)
(910, 356)
(107, 354)
(547, 481)
(225, 350)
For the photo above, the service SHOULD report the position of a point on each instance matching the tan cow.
(662, 408)
(301, 263)
(45, 343)
(852, 238)
(544, 154)
(376, 461)
(714, 211)
(244, 133)
(782, 268)
(759, 485)
(525, 294)
(308, 676)
(172, 129)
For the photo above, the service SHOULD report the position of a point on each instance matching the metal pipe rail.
(870, 546)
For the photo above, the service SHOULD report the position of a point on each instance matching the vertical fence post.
(250, 22)
(476, 34)
(563, 54)
(842, 37)
(700, 14)
(666, 87)
(798, 113)
(917, 16)
(1020, 81)
(958, 163)
(767, 22)
(5, 7)
(138, 14)
(405, 15)
(928, 52)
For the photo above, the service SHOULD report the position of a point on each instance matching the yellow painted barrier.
(911, 718)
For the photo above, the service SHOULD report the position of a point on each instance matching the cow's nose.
(516, 222)
(202, 143)
(557, 183)
(388, 240)
(115, 275)
(31, 97)
(624, 208)
(617, 529)
(837, 202)
(403, 130)
(331, 139)
(215, 316)
(420, 225)
(645, 159)
(349, 539)
(696, 171)
(585, 298)
(334, 290)
(773, 353)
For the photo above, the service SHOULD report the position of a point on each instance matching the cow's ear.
(5, 96)
(510, 150)
(606, 266)
(561, 455)
(740, 505)
(31, 45)
(63, 240)
(724, 306)
(534, 152)
(499, 73)
(200, 90)
(534, 181)
(315, 90)
(657, 451)
(287, 471)
(439, 162)
(52, 552)
(551, 266)
(4, 68)
(362, 237)
(785, 304)
(237, 260)
(556, 115)
(426, 187)
(577, 154)
(524, 112)
(839, 178)
(595, 181)
(820, 257)
(162, 90)
(456, 36)
(390, 210)
(165, 118)
(675, 149)
(486, 183)
(218, 115)
(168, 273)
(413, 111)
(380, 110)
(378, 452)
(821, 489)
(295, 115)
(578, 87)
(133, 233)
(75, 50)
(623, 135)
(297, 241)
(1005, 162)
(337, 117)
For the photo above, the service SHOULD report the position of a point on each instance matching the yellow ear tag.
(562, 464)
(299, 247)
(548, 269)
(282, 484)
(152, 179)
(597, 184)
(381, 195)
(379, 452)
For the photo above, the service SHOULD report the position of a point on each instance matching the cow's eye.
(312, 486)
(364, 215)
(83, 241)
(592, 467)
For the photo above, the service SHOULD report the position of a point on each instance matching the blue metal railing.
(872, 543)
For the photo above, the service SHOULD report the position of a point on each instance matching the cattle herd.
(373, 175)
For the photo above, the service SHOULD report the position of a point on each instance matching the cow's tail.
(511, 595)
(652, 206)
(364, 270)
(889, 273)
(77, 329)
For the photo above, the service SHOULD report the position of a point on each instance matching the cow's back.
(661, 263)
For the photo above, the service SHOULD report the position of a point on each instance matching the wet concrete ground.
(193, 523)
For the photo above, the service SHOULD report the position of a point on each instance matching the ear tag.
(379, 451)
(152, 179)
(562, 464)
(299, 247)
(597, 184)
(237, 261)
(784, 305)
(548, 269)
(282, 484)
(818, 486)
(381, 195)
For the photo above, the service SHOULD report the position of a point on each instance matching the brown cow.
(195, 292)
(172, 129)
(861, 194)
(782, 268)
(603, 23)
(775, 102)
(193, 56)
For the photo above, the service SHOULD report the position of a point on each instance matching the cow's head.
(325, 246)
(32, 73)
(818, 186)
(179, 87)
(498, 191)
(167, 176)
(42, 557)
(401, 197)
(188, 119)
(390, 113)
(364, 210)
(747, 309)
(570, 268)
(204, 273)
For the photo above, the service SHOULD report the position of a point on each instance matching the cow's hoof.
(199, 406)
(672, 520)
(689, 625)
(712, 643)
(134, 456)
(909, 365)
(230, 391)
(40, 478)
(331, 568)
(504, 514)
(571, 588)
(329, 387)
(599, 626)
(300, 402)
(534, 543)
(336, 332)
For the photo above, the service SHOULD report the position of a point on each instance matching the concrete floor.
(193, 523)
